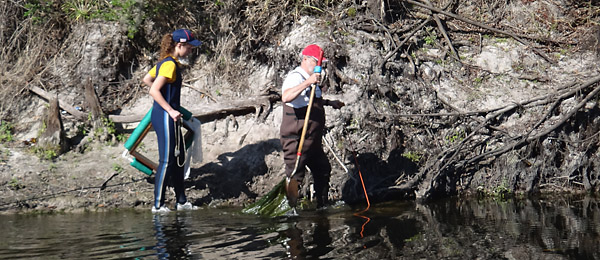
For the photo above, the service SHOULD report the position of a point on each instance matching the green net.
(273, 204)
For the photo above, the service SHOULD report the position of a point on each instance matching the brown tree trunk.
(93, 104)
(52, 137)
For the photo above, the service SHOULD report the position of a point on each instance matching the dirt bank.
(458, 98)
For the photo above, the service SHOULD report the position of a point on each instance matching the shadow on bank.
(379, 177)
(228, 177)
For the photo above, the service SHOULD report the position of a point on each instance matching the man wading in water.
(296, 92)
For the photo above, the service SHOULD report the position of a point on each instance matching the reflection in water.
(171, 236)
(558, 228)
(514, 229)
(319, 243)
(295, 244)
(367, 220)
(161, 240)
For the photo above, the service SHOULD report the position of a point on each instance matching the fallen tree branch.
(47, 96)
(443, 31)
(204, 114)
(433, 175)
(213, 111)
(406, 38)
(536, 101)
(517, 38)
(527, 139)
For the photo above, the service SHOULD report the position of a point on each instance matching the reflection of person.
(169, 244)
(296, 91)
(295, 244)
(322, 241)
(161, 239)
(165, 81)
(320, 244)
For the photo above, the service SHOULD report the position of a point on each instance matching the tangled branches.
(27, 45)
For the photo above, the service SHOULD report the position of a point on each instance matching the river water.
(558, 228)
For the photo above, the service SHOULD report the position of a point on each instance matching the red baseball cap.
(314, 51)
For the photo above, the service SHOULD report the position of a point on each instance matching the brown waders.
(312, 152)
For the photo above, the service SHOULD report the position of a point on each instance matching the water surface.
(564, 228)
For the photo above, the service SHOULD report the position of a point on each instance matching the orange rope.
(358, 214)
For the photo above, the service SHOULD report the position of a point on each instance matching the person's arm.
(148, 79)
(155, 87)
(290, 94)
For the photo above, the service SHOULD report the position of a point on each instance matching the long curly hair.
(167, 46)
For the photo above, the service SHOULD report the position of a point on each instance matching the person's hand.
(175, 114)
(314, 78)
(336, 104)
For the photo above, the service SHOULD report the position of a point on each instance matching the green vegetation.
(6, 131)
(121, 138)
(219, 3)
(80, 9)
(46, 153)
(117, 168)
(431, 37)
(351, 12)
(458, 135)
(354, 124)
(430, 40)
(502, 190)
(108, 127)
(128, 12)
(501, 40)
(37, 9)
(142, 147)
(82, 129)
(518, 67)
(416, 237)
(477, 81)
(413, 156)
(14, 184)
(4, 154)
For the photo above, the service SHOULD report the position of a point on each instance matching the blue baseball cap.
(184, 35)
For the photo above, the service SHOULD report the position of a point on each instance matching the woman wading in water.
(164, 81)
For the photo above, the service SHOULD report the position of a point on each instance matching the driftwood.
(463, 156)
(47, 96)
(211, 112)
(489, 28)
(527, 138)
(206, 113)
